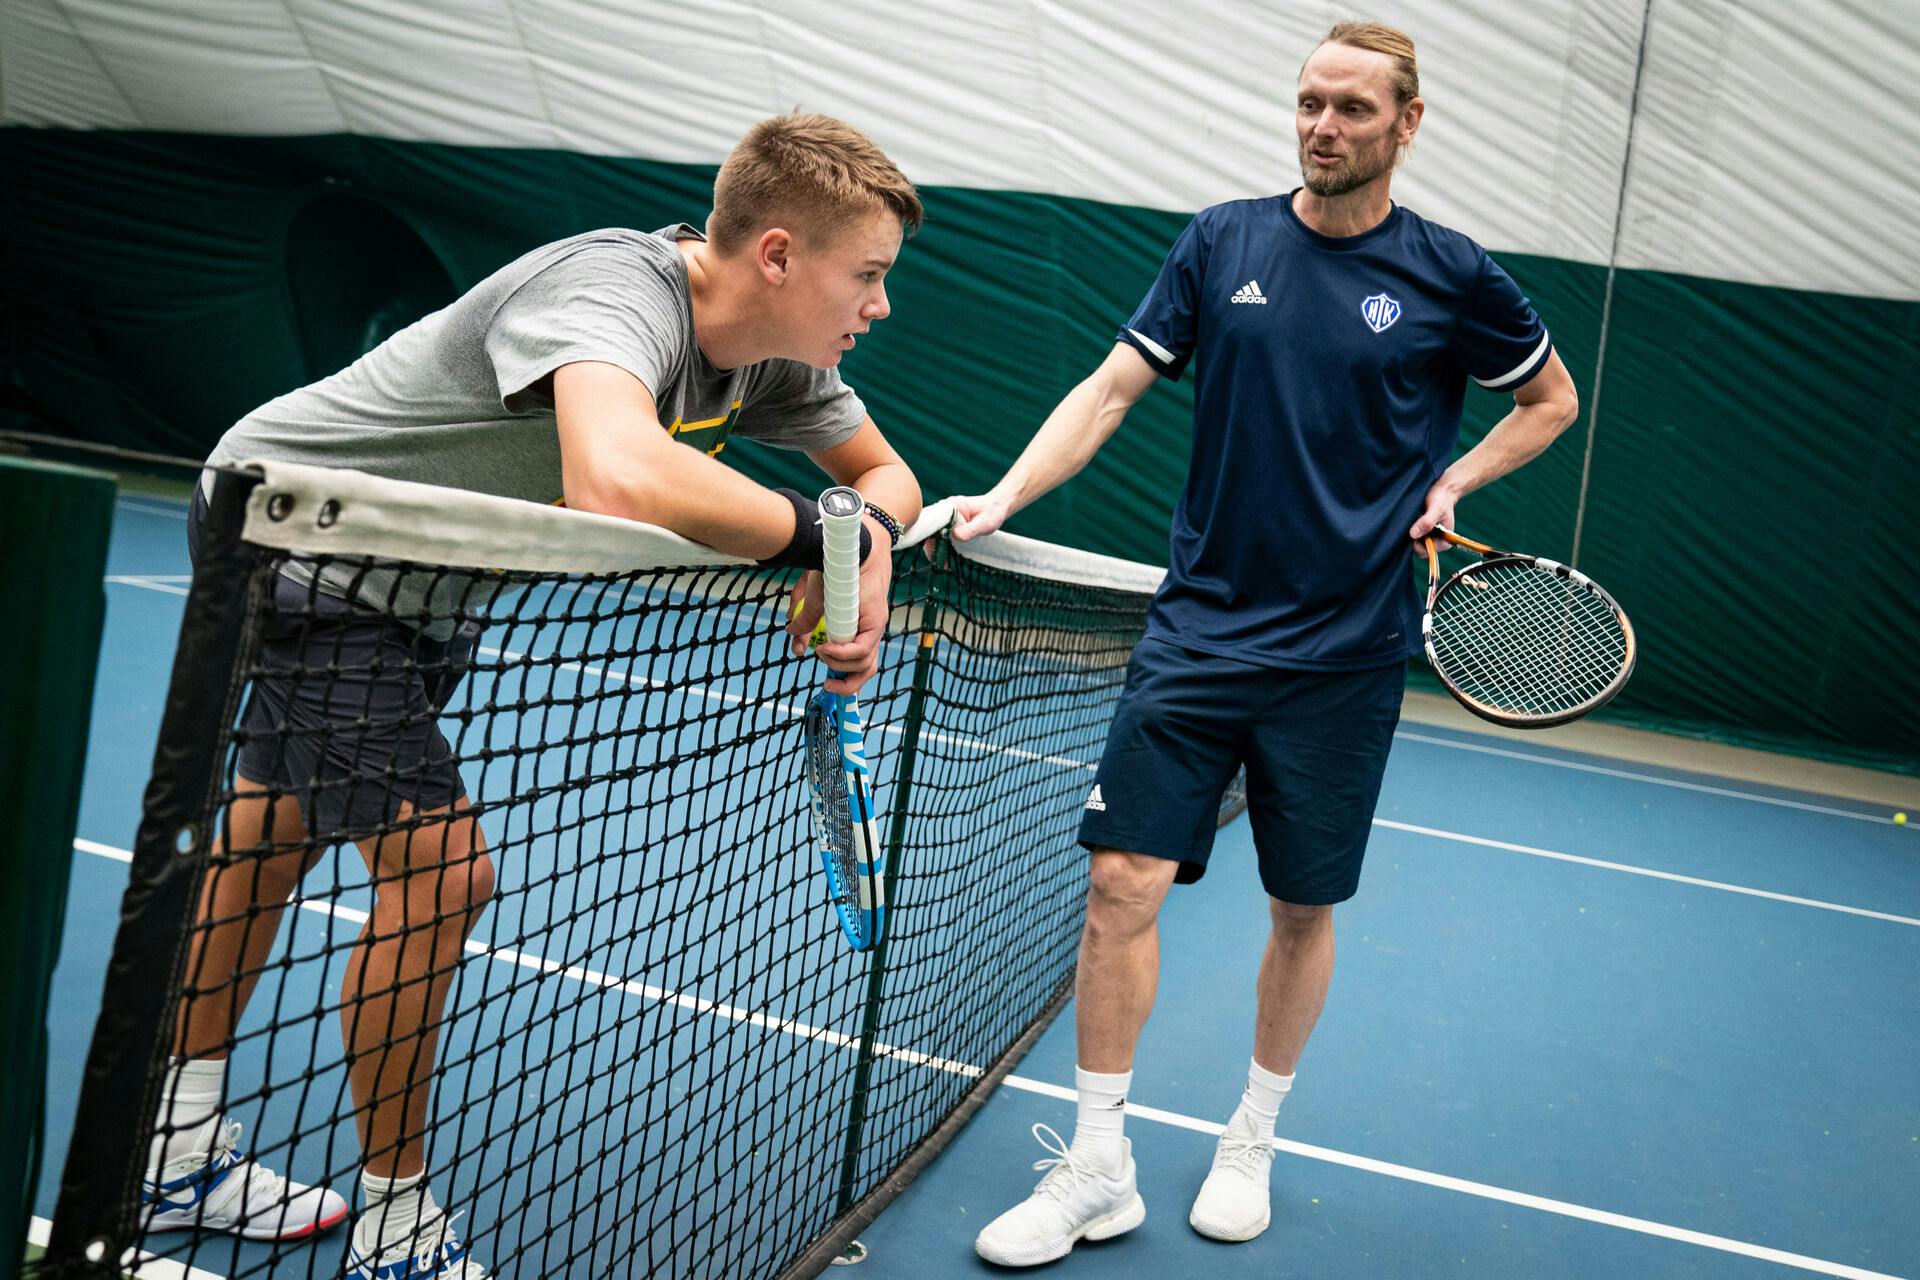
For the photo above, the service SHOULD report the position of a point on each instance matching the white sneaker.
(1077, 1200)
(217, 1188)
(1234, 1202)
(431, 1252)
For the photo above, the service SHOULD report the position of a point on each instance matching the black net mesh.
(560, 922)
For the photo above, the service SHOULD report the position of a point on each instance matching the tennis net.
(656, 1055)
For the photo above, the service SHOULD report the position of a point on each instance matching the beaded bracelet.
(887, 522)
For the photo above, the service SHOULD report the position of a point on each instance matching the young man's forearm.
(711, 503)
(682, 489)
(891, 486)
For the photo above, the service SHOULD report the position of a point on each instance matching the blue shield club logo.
(1380, 312)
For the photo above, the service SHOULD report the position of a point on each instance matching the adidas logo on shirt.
(1250, 292)
(1094, 801)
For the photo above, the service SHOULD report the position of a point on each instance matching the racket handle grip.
(840, 510)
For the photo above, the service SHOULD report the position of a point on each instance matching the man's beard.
(1356, 171)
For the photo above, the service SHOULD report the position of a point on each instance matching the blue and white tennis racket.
(837, 777)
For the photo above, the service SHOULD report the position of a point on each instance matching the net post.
(95, 1220)
(896, 842)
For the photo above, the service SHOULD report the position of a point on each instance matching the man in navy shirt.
(1332, 334)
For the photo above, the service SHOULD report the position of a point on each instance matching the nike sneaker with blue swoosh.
(215, 1187)
(430, 1252)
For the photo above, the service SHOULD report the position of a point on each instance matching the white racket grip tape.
(840, 511)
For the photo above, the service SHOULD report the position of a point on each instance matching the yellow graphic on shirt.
(709, 435)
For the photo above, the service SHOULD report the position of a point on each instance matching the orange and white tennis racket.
(1521, 640)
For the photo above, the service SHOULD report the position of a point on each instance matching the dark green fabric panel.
(1747, 496)
(54, 525)
(1535, 507)
(152, 301)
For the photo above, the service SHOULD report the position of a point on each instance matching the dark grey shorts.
(343, 709)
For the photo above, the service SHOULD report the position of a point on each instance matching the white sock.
(1102, 1110)
(1260, 1105)
(189, 1097)
(396, 1208)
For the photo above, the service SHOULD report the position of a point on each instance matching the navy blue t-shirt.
(1329, 373)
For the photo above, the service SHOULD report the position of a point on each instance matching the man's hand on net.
(981, 514)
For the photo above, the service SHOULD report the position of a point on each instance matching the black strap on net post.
(94, 1222)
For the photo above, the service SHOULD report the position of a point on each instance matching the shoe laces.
(426, 1246)
(1064, 1173)
(1247, 1153)
(255, 1179)
(467, 1269)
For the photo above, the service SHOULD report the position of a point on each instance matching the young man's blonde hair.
(1378, 37)
(809, 173)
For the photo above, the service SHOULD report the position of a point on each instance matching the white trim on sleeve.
(1496, 384)
(1158, 352)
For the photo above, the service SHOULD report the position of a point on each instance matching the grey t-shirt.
(460, 397)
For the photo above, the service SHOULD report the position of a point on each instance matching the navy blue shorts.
(343, 708)
(1314, 744)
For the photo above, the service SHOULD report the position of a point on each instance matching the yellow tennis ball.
(1899, 819)
(819, 636)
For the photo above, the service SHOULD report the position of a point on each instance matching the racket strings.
(1527, 640)
(836, 815)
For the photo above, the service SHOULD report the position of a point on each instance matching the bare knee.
(1124, 892)
(462, 884)
(1295, 922)
(435, 873)
(469, 882)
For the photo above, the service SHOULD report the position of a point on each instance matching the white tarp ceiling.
(1773, 144)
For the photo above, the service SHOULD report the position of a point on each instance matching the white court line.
(1444, 1182)
(39, 1231)
(1066, 762)
(178, 513)
(641, 682)
(665, 995)
(1628, 774)
(605, 981)
(88, 846)
(1641, 871)
(785, 708)
(987, 747)
(1434, 832)
(601, 673)
(104, 851)
(151, 582)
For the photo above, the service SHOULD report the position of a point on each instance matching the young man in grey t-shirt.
(606, 371)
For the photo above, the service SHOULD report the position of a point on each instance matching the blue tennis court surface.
(1590, 1018)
